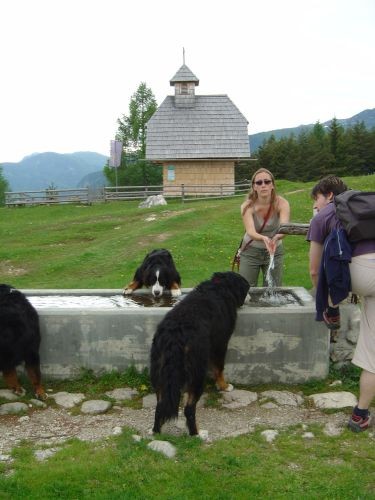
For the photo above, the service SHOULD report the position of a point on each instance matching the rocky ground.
(67, 415)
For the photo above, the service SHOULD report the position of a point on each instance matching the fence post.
(182, 193)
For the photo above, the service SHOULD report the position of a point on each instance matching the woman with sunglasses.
(262, 213)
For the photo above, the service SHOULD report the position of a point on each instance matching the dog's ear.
(217, 278)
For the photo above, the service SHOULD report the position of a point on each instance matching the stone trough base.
(269, 344)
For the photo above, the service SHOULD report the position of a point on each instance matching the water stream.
(272, 297)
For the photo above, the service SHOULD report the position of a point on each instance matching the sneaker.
(359, 424)
(332, 322)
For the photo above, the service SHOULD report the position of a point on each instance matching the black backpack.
(356, 212)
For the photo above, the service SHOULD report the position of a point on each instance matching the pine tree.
(134, 169)
(4, 186)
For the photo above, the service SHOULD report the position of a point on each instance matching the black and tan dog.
(158, 272)
(191, 339)
(19, 340)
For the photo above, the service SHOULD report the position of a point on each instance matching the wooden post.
(293, 228)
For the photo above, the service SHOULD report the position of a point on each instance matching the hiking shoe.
(332, 322)
(359, 424)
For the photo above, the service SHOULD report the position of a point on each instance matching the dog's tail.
(167, 376)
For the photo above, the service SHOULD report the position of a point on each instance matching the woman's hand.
(270, 244)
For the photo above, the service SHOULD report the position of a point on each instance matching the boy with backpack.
(361, 264)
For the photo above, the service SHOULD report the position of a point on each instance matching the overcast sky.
(70, 67)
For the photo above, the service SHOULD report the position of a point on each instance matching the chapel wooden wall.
(198, 173)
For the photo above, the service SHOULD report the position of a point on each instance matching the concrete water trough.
(271, 342)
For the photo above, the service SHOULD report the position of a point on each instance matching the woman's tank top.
(270, 229)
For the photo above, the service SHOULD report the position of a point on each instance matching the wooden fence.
(47, 197)
(123, 193)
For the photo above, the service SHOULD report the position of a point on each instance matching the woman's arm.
(248, 222)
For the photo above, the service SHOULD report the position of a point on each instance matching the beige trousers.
(362, 272)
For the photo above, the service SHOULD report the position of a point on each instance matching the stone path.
(67, 415)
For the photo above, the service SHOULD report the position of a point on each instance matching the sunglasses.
(263, 181)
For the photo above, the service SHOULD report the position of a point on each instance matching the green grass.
(237, 468)
(100, 246)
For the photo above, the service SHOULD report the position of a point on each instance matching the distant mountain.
(94, 180)
(41, 170)
(367, 117)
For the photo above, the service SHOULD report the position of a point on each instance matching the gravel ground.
(53, 426)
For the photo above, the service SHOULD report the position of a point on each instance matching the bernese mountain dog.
(191, 339)
(19, 340)
(158, 272)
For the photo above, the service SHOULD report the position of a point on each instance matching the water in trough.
(269, 297)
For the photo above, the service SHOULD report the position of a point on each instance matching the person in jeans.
(362, 274)
(262, 213)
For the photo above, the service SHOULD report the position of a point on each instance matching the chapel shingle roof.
(184, 74)
(212, 128)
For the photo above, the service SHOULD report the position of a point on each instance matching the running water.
(271, 267)
(270, 295)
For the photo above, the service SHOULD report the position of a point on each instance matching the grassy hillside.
(99, 246)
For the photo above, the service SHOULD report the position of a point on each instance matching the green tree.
(337, 149)
(4, 186)
(360, 160)
(132, 129)
(316, 156)
(317, 152)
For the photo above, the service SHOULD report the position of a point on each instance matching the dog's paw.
(247, 299)
(176, 292)
(127, 291)
(42, 396)
(19, 391)
(229, 388)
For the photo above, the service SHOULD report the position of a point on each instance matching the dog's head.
(157, 279)
(5, 289)
(234, 283)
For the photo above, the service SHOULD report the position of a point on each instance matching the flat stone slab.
(8, 395)
(41, 455)
(13, 408)
(68, 399)
(122, 394)
(149, 401)
(342, 399)
(38, 403)
(95, 406)
(163, 447)
(332, 429)
(269, 435)
(283, 398)
(238, 398)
